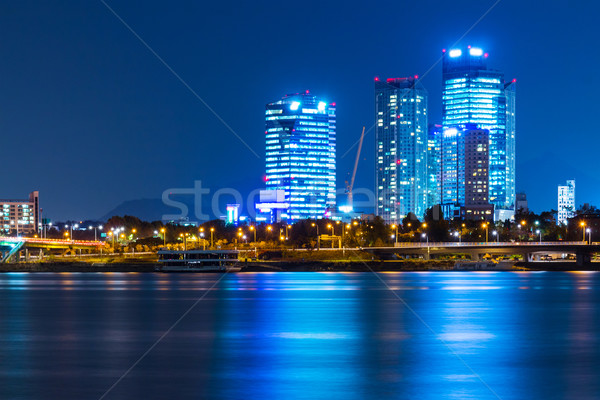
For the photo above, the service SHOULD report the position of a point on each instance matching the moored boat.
(198, 261)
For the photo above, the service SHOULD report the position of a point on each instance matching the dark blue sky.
(91, 118)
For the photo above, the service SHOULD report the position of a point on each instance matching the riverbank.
(289, 266)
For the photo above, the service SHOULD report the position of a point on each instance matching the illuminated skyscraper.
(474, 94)
(566, 202)
(464, 173)
(434, 152)
(300, 154)
(401, 148)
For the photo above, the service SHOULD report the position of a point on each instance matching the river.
(407, 335)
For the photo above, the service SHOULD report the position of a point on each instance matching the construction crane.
(350, 186)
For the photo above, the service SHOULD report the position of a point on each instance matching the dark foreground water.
(455, 335)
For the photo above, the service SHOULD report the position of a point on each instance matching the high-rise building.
(566, 202)
(475, 94)
(401, 148)
(21, 217)
(477, 159)
(300, 154)
(434, 152)
(464, 173)
(521, 206)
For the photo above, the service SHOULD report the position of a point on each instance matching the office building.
(20, 217)
(475, 94)
(300, 154)
(522, 207)
(477, 205)
(434, 151)
(464, 173)
(566, 202)
(401, 148)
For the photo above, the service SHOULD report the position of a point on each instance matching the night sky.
(90, 117)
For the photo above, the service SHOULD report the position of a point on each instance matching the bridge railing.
(486, 244)
(51, 241)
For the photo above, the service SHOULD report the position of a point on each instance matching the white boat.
(484, 265)
(198, 261)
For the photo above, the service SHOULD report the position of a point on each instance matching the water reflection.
(302, 335)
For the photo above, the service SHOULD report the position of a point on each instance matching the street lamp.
(495, 233)
(539, 232)
(332, 227)
(162, 230)
(318, 236)
(458, 235)
(95, 231)
(253, 230)
(212, 240)
(485, 226)
(589, 231)
(203, 241)
(394, 226)
(582, 224)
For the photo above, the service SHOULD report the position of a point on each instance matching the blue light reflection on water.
(302, 335)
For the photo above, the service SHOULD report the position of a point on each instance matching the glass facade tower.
(300, 154)
(474, 94)
(401, 148)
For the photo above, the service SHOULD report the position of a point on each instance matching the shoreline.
(293, 266)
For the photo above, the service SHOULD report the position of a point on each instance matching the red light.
(468, 47)
(486, 54)
(333, 104)
(265, 178)
(397, 161)
(514, 80)
(443, 50)
(416, 76)
(376, 79)
(307, 92)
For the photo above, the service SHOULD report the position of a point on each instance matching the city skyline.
(113, 95)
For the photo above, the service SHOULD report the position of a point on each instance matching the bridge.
(15, 247)
(477, 250)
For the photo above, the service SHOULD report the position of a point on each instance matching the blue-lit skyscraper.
(401, 148)
(300, 154)
(474, 94)
(434, 153)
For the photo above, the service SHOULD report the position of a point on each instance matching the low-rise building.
(20, 217)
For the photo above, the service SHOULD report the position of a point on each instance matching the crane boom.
(351, 186)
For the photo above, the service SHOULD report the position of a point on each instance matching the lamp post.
(394, 226)
(582, 224)
(539, 232)
(589, 232)
(203, 241)
(253, 229)
(332, 227)
(212, 239)
(495, 233)
(95, 231)
(427, 239)
(164, 234)
(485, 225)
(318, 237)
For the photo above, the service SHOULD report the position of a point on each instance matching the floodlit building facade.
(20, 217)
(300, 154)
(464, 173)
(434, 151)
(401, 140)
(566, 202)
(475, 94)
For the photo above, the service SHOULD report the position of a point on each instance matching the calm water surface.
(455, 335)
